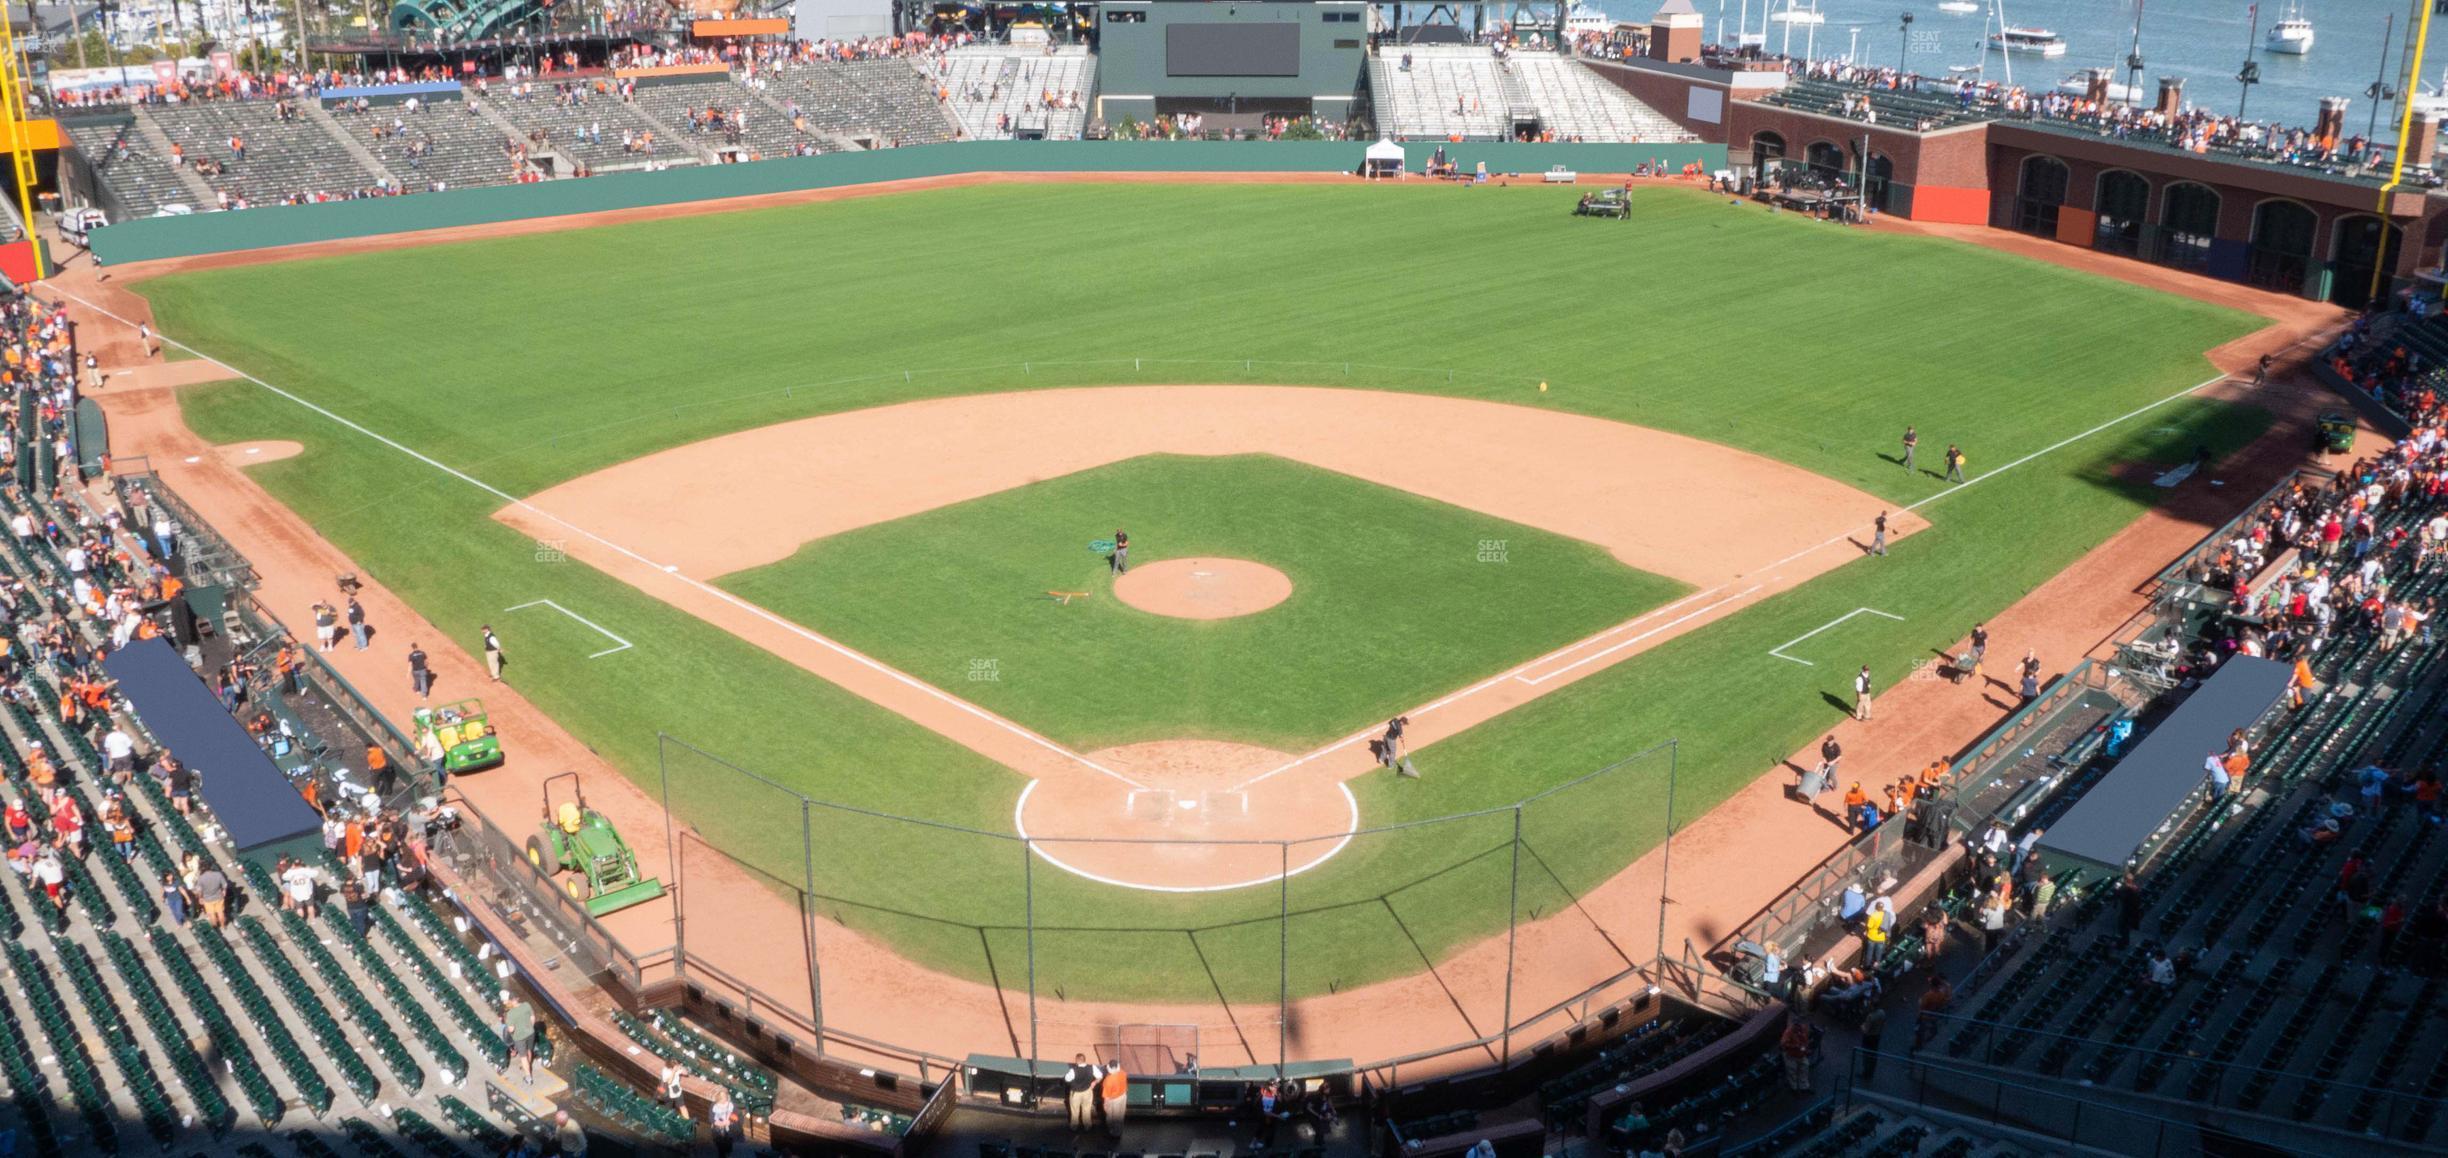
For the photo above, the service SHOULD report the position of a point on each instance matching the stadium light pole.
(2380, 90)
(2250, 74)
(1903, 43)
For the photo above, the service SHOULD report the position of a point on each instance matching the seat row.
(627, 1107)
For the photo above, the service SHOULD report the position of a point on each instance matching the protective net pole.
(807, 909)
(1028, 894)
(1512, 936)
(1666, 854)
(671, 849)
(1283, 958)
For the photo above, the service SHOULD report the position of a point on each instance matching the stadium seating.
(139, 180)
(1574, 103)
(568, 124)
(749, 123)
(1450, 90)
(614, 1100)
(2280, 1009)
(446, 141)
(1889, 107)
(999, 91)
(122, 1025)
(285, 157)
(879, 102)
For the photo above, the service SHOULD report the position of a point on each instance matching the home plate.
(1185, 804)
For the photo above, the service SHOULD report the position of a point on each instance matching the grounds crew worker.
(1079, 1092)
(1115, 1089)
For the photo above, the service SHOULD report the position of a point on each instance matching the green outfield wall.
(204, 233)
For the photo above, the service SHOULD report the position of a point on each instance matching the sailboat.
(2292, 35)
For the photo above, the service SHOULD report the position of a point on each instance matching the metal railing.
(2213, 542)
(2226, 1087)
(2083, 1114)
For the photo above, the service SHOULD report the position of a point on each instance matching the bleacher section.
(284, 158)
(1830, 1131)
(747, 123)
(1576, 104)
(445, 140)
(141, 181)
(997, 91)
(570, 127)
(1450, 90)
(1905, 110)
(1468, 91)
(886, 102)
(124, 1031)
(2297, 998)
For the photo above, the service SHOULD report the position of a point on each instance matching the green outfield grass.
(528, 361)
(1392, 602)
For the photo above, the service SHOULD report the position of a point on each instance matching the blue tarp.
(426, 88)
(247, 793)
(2108, 825)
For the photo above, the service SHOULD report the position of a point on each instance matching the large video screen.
(1269, 49)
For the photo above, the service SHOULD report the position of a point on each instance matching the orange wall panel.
(2076, 226)
(1950, 205)
(708, 29)
(42, 135)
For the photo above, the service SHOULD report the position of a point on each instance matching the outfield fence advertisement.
(148, 239)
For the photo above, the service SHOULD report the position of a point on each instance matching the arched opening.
(2041, 193)
(1767, 149)
(2363, 244)
(1880, 185)
(2124, 204)
(2282, 236)
(1827, 162)
(2187, 223)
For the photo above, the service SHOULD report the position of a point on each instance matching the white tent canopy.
(1385, 159)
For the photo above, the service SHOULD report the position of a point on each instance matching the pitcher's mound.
(1203, 588)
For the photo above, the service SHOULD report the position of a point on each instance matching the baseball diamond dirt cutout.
(1736, 526)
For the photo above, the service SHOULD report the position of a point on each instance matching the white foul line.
(1779, 650)
(705, 588)
(964, 705)
(1669, 625)
(1832, 540)
(624, 644)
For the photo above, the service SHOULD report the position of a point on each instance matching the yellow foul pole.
(2405, 128)
(20, 143)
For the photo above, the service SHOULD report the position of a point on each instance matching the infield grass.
(530, 360)
(1394, 601)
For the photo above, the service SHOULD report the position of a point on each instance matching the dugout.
(1232, 63)
(2123, 820)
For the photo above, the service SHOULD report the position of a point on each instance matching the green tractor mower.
(576, 839)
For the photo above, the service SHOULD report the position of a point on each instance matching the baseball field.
(1561, 489)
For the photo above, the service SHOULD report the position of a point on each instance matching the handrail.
(2210, 543)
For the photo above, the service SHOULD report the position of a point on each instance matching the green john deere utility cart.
(577, 840)
(458, 734)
